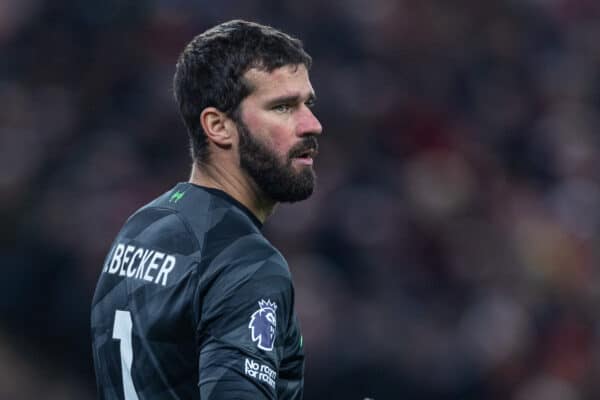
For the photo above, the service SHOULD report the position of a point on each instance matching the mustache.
(307, 144)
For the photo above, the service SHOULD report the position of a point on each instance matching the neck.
(237, 184)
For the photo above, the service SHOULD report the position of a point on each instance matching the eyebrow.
(291, 99)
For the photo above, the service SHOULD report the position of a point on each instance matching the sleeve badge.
(263, 325)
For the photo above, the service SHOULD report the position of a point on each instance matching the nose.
(309, 124)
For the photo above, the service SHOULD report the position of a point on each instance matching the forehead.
(286, 80)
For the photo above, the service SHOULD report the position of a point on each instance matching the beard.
(277, 179)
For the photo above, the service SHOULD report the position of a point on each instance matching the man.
(193, 301)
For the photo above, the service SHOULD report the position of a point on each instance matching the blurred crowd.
(451, 248)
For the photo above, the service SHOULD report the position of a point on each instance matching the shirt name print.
(140, 263)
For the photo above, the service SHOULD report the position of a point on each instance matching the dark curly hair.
(210, 71)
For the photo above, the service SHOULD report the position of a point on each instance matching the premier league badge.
(263, 324)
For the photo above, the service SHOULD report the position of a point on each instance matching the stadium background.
(451, 251)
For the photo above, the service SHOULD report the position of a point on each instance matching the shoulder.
(248, 271)
(247, 265)
(251, 257)
(255, 247)
(160, 228)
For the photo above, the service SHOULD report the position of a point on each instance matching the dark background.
(451, 251)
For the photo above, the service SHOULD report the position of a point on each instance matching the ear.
(217, 126)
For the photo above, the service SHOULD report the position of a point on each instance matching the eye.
(282, 108)
(310, 103)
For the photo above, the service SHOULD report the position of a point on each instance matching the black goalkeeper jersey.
(193, 302)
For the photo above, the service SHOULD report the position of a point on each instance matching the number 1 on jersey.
(122, 332)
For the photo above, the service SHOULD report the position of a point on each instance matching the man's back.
(194, 302)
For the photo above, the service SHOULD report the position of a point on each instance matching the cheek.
(275, 134)
(281, 138)
(280, 144)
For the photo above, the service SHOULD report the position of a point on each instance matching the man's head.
(252, 79)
